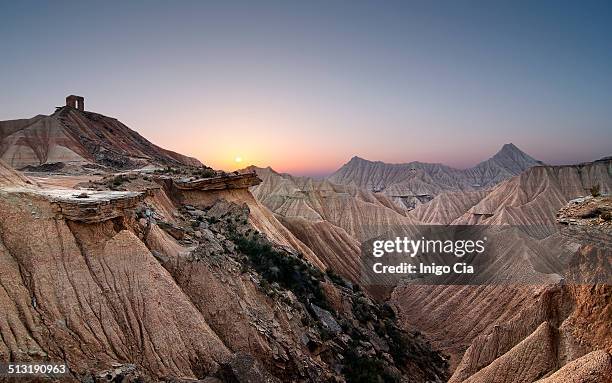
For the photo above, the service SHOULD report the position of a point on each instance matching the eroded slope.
(183, 285)
(73, 136)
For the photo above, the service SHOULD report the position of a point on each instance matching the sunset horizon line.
(236, 161)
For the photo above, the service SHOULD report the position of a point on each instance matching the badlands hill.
(416, 182)
(80, 137)
(532, 198)
(173, 277)
(492, 331)
(332, 220)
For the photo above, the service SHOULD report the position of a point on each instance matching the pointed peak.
(510, 147)
(513, 159)
(512, 150)
(357, 158)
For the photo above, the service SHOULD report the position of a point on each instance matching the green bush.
(362, 310)
(363, 369)
(595, 190)
(387, 311)
(205, 172)
(119, 180)
(399, 345)
(289, 272)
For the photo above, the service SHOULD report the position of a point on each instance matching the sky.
(303, 86)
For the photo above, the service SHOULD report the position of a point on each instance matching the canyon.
(480, 327)
(141, 264)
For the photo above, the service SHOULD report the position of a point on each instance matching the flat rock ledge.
(87, 206)
(93, 206)
(230, 181)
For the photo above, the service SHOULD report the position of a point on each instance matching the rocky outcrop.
(261, 218)
(589, 210)
(90, 206)
(84, 205)
(73, 136)
(223, 182)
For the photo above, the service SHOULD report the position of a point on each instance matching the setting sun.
(238, 159)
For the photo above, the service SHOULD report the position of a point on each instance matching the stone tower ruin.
(77, 102)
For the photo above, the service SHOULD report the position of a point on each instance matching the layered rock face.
(91, 207)
(181, 284)
(229, 181)
(73, 136)
(535, 197)
(92, 295)
(495, 332)
(525, 332)
(332, 220)
(414, 183)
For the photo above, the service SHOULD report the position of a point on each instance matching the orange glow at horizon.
(235, 138)
(281, 161)
(255, 151)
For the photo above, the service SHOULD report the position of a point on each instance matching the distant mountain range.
(74, 136)
(416, 182)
